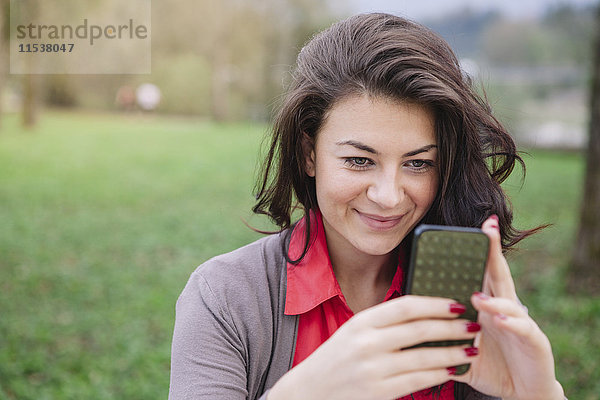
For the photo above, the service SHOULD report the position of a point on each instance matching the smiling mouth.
(379, 222)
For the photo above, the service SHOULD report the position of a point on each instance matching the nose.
(386, 190)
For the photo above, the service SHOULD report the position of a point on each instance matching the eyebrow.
(423, 149)
(369, 149)
(358, 145)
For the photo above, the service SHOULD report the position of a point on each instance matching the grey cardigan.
(231, 339)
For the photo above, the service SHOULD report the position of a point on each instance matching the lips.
(380, 222)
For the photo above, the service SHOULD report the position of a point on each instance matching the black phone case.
(448, 261)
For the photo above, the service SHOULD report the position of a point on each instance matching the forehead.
(378, 121)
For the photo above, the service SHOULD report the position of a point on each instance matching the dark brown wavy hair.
(386, 56)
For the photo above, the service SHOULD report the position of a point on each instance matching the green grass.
(103, 218)
(551, 194)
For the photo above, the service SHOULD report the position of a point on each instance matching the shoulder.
(227, 318)
(246, 280)
(258, 261)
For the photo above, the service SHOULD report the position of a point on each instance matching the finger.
(407, 308)
(412, 333)
(523, 327)
(426, 358)
(498, 277)
(498, 305)
(391, 387)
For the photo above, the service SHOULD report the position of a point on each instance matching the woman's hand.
(515, 359)
(363, 358)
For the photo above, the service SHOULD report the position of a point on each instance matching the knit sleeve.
(208, 357)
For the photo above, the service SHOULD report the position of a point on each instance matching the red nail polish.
(494, 217)
(451, 370)
(457, 308)
(471, 351)
(482, 296)
(473, 327)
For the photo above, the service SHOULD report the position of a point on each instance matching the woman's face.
(375, 166)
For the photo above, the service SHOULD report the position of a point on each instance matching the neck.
(364, 279)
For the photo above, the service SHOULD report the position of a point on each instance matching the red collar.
(312, 281)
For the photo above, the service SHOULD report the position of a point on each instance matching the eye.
(358, 162)
(419, 165)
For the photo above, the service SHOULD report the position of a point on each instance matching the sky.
(424, 9)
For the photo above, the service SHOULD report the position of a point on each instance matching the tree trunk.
(584, 274)
(30, 9)
(3, 49)
(30, 107)
(219, 82)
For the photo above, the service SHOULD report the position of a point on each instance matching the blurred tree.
(286, 26)
(29, 9)
(584, 274)
(242, 50)
(58, 91)
(214, 45)
(4, 35)
(571, 31)
(517, 43)
(224, 59)
(561, 37)
(30, 106)
(464, 29)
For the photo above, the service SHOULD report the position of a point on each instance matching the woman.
(379, 132)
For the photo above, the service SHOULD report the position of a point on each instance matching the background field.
(103, 218)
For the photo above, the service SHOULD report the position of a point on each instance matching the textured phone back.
(450, 264)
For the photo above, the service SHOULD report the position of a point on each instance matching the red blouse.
(314, 294)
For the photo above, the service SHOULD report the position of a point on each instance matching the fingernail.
(495, 222)
(482, 296)
(473, 327)
(501, 316)
(471, 351)
(457, 308)
(451, 370)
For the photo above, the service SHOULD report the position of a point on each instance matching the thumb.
(498, 277)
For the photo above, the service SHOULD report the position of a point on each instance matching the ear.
(308, 150)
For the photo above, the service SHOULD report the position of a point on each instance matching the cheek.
(425, 191)
(335, 186)
(338, 188)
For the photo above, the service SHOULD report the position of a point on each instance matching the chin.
(376, 248)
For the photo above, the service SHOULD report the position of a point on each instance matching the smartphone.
(448, 261)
